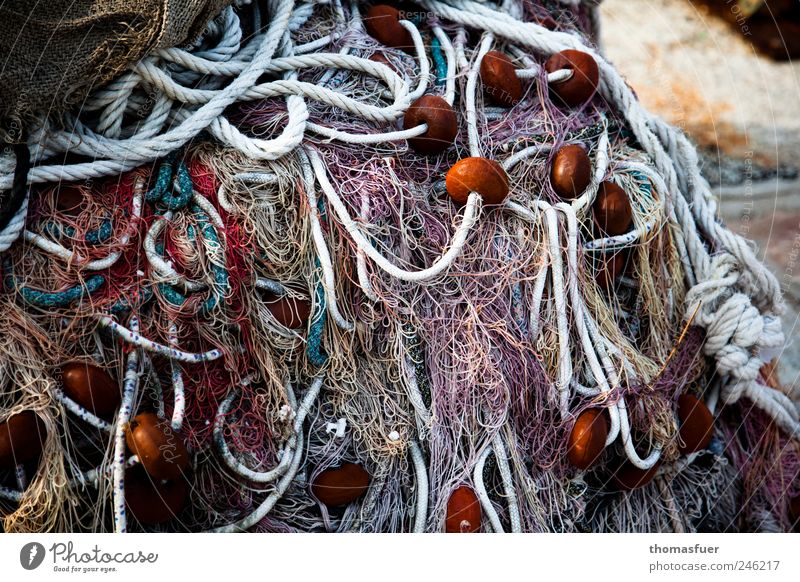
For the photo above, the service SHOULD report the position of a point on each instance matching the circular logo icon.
(31, 555)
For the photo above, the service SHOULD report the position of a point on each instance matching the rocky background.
(705, 69)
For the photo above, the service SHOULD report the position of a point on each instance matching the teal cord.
(439, 63)
(314, 346)
(101, 235)
(221, 278)
(50, 299)
(162, 181)
(171, 294)
(162, 193)
(93, 237)
(124, 304)
(316, 355)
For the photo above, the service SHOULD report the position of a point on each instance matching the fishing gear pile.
(333, 266)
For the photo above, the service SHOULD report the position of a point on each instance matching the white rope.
(471, 92)
(581, 316)
(733, 296)
(693, 204)
(68, 256)
(134, 151)
(130, 388)
(151, 141)
(450, 59)
(361, 262)
(421, 413)
(132, 337)
(80, 411)
(422, 59)
(323, 254)
(421, 513)
(564, 357)
(480, 491)
(267, 505)
(439, 265)
(179, 395)
(11, 495)
(237, 466)
(15, 227)
(158, 264)
(508, 483)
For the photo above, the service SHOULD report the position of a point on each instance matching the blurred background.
(725, 72)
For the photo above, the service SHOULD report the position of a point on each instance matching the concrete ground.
(697, 72)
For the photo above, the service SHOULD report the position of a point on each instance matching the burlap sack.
(55, 51)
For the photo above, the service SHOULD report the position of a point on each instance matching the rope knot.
(736, 331)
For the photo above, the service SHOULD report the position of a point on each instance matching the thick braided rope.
(117, 154)
(136, 151)
(15, 227)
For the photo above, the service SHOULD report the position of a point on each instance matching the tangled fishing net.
(339, 267)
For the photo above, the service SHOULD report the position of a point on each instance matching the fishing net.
(348, 267)
(55, 52)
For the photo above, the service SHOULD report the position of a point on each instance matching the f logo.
(31, 555)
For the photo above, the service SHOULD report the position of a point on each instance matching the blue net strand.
(439, 62)
(316, 354)
(50, 299)
(124, 304)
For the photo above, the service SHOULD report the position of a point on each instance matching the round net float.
(291, 312)
(547, 21)
(463, 511)
(570, 171)
(153, 501)
(628, 476)
(22, 438)
(581, 86)
(161, 452)
(500, 82)
(475, 174)
(381, 58)
(92, 387)
(70, 200)
(441, 120)
(587, 441)
(612, 210)
(341, 485)
(696, 424)
(383, 24)
(608, 267)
